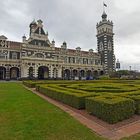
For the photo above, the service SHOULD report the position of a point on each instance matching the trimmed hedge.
(111, 109)
(136, 98)
(28, 84)
(100, 87)
(76, 100)
(33, 83)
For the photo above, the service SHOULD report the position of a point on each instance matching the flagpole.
(103, 7)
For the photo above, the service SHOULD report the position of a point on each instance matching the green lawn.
(135, 137)
(25, 116)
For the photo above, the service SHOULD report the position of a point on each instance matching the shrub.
(73, 99)
(104, 77)
(136, 97)
(28, 84)
(110, 108)
(32, 84)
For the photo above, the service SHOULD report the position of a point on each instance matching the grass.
(135, 137)
(25, 116)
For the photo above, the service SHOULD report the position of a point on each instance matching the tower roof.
(104, 16)
(2, 37)
(33, 23)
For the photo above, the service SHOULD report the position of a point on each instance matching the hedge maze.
(110, 100)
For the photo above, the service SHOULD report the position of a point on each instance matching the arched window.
(101, 46)
(31, 72)
(109, 46)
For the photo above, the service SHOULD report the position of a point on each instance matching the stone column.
(51, 71)
(24, 71)
(36, 72)
(7, 73)
(19, 72)
(71, 73)
(60, 73)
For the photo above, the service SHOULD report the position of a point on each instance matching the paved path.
(86, 119)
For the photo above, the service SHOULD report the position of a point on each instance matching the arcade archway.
(43, 72)
(14, 73)
(82, 74)
(2, 73)
(89, 75)
(75, 73)
(67, 74)
(31, 75)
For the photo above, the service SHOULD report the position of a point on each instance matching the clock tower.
(105, 44)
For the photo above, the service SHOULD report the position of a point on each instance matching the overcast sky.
(74, 21)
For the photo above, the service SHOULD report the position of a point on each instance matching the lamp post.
(130, 68)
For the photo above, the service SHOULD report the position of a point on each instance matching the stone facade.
(38, 58)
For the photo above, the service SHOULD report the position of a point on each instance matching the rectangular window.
(69, 60)
(14, 55)
(2, 56)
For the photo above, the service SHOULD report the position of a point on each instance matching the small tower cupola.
(104, 16)
(24, 38)
(33, 23)
(64, 45)
(78, 49)
(53, 43)
(90, 50)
